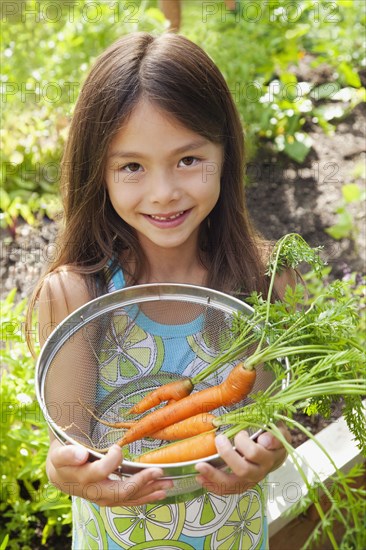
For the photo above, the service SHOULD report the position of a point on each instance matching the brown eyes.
(189, 161)
(132, 167)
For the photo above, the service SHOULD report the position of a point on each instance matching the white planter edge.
(285, 486)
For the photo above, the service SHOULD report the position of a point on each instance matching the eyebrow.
(187, 147)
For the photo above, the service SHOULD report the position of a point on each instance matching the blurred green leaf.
(350, 76)
(344, 226)
(297, 150)
(351, 192)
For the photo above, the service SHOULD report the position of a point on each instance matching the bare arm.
(67, 466)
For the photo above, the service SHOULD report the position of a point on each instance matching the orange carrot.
(174, 391)
(189, 427)
(181, 451)
(234, 389)
(181, 430)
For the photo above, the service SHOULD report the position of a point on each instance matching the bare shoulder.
(288, 277)
(62, 292)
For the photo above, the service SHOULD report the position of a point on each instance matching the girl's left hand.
(249, 462)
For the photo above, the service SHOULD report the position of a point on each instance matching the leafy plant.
(264, 46)
(326, 362)
(40, 86)
(334, 317)
(345, 226)
(28, 502)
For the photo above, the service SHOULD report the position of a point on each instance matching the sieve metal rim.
(108, 302)
(123, 298)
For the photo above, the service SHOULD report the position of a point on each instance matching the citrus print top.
(203, 522)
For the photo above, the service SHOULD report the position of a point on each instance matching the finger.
(237, 459)
(102, 468)
(220, 482)
(269, 441)
(144, 485)
(250, 450)
(209, 474)
(135, 494)
(68, 455)
(135, 489)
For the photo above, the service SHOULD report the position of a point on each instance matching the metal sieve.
(108, 354)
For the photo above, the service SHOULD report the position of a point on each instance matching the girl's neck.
(195, 275)
(168, 266)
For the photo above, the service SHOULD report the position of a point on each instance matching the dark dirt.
(284, 197)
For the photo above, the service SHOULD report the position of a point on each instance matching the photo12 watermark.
(255, 11)
(54, 11)
(36, 92)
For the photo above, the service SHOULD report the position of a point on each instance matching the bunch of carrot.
(185, 415)
(304, 337)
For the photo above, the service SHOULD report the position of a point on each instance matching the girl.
(153, 192)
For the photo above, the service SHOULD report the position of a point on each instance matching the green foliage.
(332, 315)
(28, 502)
(40, 86)
(345, 226)
(345, 506)
(291, 251)
(320, 334)
(353, 290)
(264, 43)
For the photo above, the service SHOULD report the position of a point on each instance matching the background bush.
(31, 509)
(261, 50)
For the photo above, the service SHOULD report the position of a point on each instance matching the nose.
(164, 188)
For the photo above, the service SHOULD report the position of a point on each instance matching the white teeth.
(163, 218)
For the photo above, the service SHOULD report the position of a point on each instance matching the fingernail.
(266, 440)
(156, 473)
(167, 485)
(221, 440)
(80, 454)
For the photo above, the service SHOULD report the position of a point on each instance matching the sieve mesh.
(109, 355)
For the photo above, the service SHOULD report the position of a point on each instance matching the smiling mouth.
(167, 218)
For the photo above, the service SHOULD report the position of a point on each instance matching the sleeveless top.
(206, 522)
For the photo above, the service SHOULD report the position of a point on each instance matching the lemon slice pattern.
(128, 526)
(89, 530)
(201, 346)
(128, 351)
(244, 528)
(163, 545)
(206, 513)
(204, 354)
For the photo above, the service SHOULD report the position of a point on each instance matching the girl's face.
(162, 178)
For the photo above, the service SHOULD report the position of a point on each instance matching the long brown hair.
(181, 79)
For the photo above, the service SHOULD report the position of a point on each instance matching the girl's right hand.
(69, 470)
